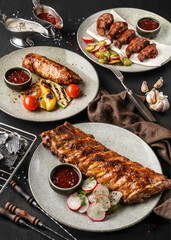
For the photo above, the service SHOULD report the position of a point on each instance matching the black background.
(73, 13)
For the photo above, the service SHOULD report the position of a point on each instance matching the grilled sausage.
(49, 69)
(116, 29)
(104, 22)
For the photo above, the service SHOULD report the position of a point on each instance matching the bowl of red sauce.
(65, 178)
(148, 27)
(18, 78)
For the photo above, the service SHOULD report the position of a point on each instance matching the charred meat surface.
(117, 29)
(104, 22)
(125, 38)
(148, 52)
(49, 69)
(136, 45)
(133, 180)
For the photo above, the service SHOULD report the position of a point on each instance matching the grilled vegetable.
(47, 99)
(61, 95)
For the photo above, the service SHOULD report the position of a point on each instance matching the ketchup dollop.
(18, 76)
(65, 177)
(148, 24)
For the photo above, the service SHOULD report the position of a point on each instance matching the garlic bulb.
(151, 97)
(162, 104)
(144, 87)
(159, 83)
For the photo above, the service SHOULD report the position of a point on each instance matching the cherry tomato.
(30, 103)
(73, 90)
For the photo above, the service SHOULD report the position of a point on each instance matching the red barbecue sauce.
(47, 17)
(148, 24)
(65, 177)
(18, 76)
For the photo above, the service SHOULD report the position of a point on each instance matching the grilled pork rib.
(133, 180)
(49, 69)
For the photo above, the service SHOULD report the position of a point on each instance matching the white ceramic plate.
(131, 15)
(114, 138)
(11, 103)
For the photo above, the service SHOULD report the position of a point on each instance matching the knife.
(133, 97)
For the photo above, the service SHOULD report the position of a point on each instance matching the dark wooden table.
(73, 13)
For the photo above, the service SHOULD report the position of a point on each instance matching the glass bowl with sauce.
(65, 178)
(18, 78)
(148, 27)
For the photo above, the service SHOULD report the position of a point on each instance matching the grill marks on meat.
(117, 29)
(104, 22)
(49, 69)
(136, 45)
(148, 52)
(93, 159)
(125, 38)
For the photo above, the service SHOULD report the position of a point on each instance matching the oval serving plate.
(131, 15)
(11, 102)
(114, 138)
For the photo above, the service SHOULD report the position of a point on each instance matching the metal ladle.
(52, 29)
(20, 38)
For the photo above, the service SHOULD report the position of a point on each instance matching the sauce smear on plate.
(65, 177)
(148, 24)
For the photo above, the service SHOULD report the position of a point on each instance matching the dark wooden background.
(73, 13)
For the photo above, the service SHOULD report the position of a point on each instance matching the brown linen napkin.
(117, 109)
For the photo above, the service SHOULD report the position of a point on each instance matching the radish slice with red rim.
(94, 212)
(115, 197)
(90, 198)
(88, 185)
(104, 202)
(108, 42)
(100, 189)
(95, 49)
(114, 58)
(74, 202)
(88, 39)
(102, 49)
(85, 205)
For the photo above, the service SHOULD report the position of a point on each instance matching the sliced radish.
(104, 202)
(114, 61)
(85, 205)
(88, 185)
(108, 42)
(94, 213)
(95, 49)
(100, 189)
(115, 197)
(90, 198)
(88, 39)
(93, 44)
(114, 58)
(102, 49)
(74, 202)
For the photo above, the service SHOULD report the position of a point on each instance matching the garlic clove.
(151, 97)
(144, 87)
(159, 83)
(162, 104)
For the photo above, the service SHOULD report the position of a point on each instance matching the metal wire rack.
(6, 172)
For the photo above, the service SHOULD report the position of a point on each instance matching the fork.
(133, 97)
